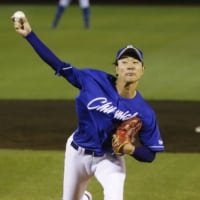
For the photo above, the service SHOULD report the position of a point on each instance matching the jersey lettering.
(124, 115)
(101, 104)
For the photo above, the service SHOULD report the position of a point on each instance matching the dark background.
(139, 2)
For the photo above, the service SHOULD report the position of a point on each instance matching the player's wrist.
(144, 154)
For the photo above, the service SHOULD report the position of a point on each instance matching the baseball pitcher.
(112, 115)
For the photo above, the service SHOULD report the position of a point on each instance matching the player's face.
(129, 69)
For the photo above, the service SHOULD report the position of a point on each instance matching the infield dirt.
(46, 124)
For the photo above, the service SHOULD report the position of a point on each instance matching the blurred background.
(37, 111)
(113, 2)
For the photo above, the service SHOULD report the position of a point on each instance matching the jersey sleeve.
(150, 134)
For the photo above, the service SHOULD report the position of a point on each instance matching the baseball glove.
(126, 133)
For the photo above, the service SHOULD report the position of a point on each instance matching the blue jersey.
(99, 107)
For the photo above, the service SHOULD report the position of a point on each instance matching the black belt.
(86, 151)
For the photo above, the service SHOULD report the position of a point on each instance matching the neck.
(127, 90)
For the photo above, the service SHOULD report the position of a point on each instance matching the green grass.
(169, 37)
(34, 175)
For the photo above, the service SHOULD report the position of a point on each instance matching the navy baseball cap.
(131, 51)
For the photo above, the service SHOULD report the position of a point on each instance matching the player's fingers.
(23, 28)
(17, 25)
(26, 25)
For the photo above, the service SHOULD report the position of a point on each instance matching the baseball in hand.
(18, 16)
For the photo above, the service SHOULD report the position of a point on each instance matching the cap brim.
(132, 53)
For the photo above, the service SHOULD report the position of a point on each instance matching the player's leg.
(85, 7)
(110, 172)
(76, 175)
(62, 5)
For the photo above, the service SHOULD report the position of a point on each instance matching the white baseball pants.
(109, 170)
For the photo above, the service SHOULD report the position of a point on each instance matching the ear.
(143, 69)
